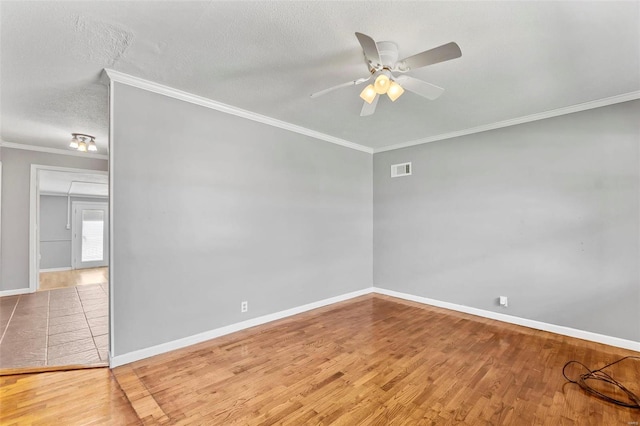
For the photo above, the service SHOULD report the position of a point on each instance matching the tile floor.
(55, 327)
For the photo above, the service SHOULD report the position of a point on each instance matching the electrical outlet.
(504, 301)
(244, 306)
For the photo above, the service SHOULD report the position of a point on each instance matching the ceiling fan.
(382, 60)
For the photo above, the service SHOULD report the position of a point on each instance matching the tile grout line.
(84, 313)
(46, 340)
(10, 318)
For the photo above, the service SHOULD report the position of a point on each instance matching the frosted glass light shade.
(74, 143)
(395, 91)
(82, 146)
(381, 84)
(92, 146)
(368, 94)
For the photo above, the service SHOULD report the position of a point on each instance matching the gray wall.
(545, 213)
(16, 175)
(55, 238)
(211, 209)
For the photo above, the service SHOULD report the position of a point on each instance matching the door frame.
(34, 218)
(0, 222)
(74, 245)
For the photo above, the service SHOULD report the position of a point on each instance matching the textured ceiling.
(71, 183)
(518, 58)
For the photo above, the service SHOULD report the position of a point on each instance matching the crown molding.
(161, 89)
(13, 145)
(625, 97)
(117, 76)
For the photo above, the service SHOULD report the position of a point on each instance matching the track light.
(83, 143)
(368, 94)
(395, 91)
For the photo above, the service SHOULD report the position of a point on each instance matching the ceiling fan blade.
(370, 49)
(443, 53)
(419, 87)
(369, 108)
(340, 86)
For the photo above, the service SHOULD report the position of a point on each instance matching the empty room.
(320, 212)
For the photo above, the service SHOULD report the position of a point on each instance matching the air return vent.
(398, 170)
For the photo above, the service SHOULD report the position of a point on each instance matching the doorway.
(90, 235)
(65, 317)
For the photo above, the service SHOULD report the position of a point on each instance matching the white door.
(90, 244)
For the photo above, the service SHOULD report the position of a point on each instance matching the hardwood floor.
(370, 360)
(78, 397)
(72, 278)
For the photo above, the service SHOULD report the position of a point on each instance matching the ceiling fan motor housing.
(388, 52)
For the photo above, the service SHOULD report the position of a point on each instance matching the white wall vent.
(398, 170)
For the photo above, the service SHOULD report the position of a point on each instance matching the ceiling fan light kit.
(368, 94)
(83, 143)
(395, 91)
(382, 83)
(382, 60)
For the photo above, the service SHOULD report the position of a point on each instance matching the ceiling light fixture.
(395, 91)
(382, 62)
(381, 84)
(74, 142)
(83, 143)
(368, 94)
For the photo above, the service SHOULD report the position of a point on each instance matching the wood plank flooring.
(80, 397)
(72, 278)
(370, 360)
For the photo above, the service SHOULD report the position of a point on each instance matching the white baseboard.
(211, 334)
(14, 292)
(66, 268)
(538, 325)
(115, 361)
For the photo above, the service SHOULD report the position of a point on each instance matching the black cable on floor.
(599, 375)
